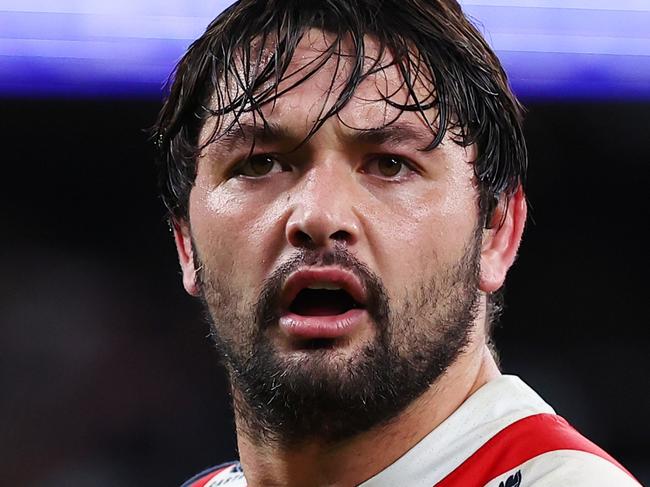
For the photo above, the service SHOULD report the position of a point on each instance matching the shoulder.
(504, 435)
(227, 474)
(541, 450)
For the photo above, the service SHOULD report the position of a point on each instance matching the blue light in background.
(550, 48)
(570, 48)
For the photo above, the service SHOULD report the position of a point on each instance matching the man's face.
(341, 276)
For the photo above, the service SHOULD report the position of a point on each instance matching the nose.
(322, 211)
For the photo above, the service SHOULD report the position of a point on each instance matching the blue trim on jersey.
(200, 475)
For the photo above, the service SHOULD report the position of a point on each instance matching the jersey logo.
(513, 481)
(231, 476)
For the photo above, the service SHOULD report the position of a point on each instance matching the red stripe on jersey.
(518, 443)
(200, 482)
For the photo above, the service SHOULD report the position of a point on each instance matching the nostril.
(314, 233)
(301, 238)
(341, 236)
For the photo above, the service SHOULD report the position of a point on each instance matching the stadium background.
(106, 373)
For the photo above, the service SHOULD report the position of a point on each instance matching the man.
(344, 181)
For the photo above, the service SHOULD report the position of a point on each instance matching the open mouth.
(323, 300)
(319, 291)
(321, 305)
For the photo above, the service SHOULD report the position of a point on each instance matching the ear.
(501, 241)
(185, 250)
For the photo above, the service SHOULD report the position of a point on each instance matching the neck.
(357, 459)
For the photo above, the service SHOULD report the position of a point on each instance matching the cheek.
(414, 237)
(232, 232)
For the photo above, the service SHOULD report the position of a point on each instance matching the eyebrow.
(241, 132)
(272, 132)
(395, 133)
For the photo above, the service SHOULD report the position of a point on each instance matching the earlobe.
(501, 242)
(185, 250)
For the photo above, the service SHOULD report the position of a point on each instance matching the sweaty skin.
(404, 227)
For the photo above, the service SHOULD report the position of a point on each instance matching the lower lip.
(334, 326)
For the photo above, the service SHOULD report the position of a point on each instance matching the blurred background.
(106, 372)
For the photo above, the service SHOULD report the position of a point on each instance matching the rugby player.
(345, 183)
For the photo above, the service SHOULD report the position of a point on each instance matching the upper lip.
(302, 278)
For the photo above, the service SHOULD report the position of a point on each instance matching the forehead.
(361, 84)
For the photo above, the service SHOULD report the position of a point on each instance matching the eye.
(258, 165)
(388, 167)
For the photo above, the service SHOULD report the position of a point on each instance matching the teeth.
(324, 285)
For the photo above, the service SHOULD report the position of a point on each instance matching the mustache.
(268, 303)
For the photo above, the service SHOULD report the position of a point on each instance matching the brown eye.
(257, 166)
(388, 167)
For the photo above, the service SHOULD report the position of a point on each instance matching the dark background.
(106, 372)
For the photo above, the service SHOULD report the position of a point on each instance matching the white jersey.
(504, 435)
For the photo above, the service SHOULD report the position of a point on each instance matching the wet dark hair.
(236, 67)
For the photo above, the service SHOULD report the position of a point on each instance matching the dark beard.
(322, 394)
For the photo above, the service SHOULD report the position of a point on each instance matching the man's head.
(343, 180)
